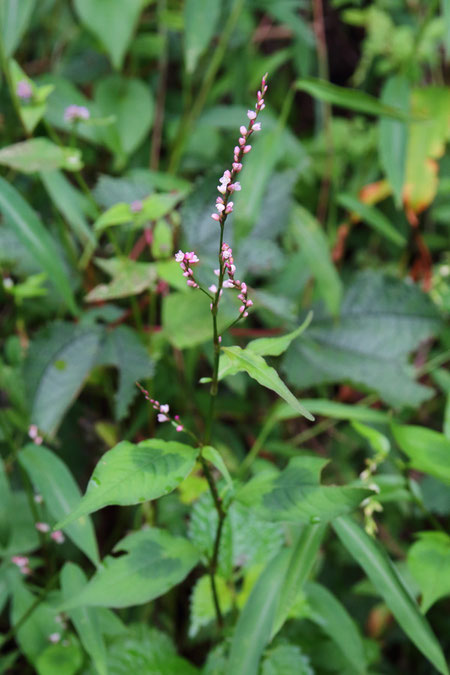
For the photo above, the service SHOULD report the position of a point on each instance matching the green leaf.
(131, 102)
(428, 450)
(118, 214)
(32, 634)
(202, 531)
(429, 563)
(286, 660)
(63, 658)
(58, 362)
(15, 16)
(33, 235)
(131, 474)
(70, 203)
(255, 366)
(40, 154)
(393, 135)
(382, 573)
(214, 456)
(335, 410)
(146, 651)
(52, 479)
(303, 555)
(378, 441)
(154, 562)
(382, 319)
(373, 217)
(124, 349)
(202, 609)
(274, 346)
(113, 22)
(352, 99)
(85, 619)
(200, 24)
(255, 623)
(313, 242)
(335, 621)
(5, 507)
(23, 535)
(129, 277)
(31, 111)
(295, 494)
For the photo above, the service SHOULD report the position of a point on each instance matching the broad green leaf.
(52, 479)
(255, 623)
(113, 22)
(40, 154)
(214, 456)
(116, 215)
(153, 207)
(202, 609)
(255, 366)
(31, 111)
(146, 651)
(428, 450)
(373, 217)
(129, 277)
(314, 243)
(85, 619)
(426, 144)
(124, 350)
(286, 660)
(58, 362)
(382, 320)
(393, 135)
(131, 103)
(303, 555)
(63, 658)
(353, 99)
(429, 563)
(274, 346)
(186, 317)
(23, 534)
(335, 410)
(154, 562)
(33, 235)
(386, 579)
(32, 636)
(70, 203)
(200, 23)
(295, 494)
(14, 19)
(131, 474)
(335, 621)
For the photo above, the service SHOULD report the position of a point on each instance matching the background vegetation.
(345, 211)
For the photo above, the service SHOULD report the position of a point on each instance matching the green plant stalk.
(15, 99)
(192, 113)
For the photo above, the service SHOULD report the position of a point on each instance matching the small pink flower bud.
(213, 288)
(54, 638)
(222, 188)
(243, 130)
(179, 427)
(237, 166)
(58, 537)
(247, 148)
(33, 431)
(215, 216)
(229, 208)
(176, 418)
(249, 303)
(219, 339)
(162, 418)
(236, 149)
(245, 315)
(220, 207)
(179, 257)
(251, 114)
(242, 141)
(237, 186)
(257, 126)
(42, 527)
(164, 408)
(38, 499)
(242, 309)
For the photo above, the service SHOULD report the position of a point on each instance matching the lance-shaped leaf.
(295, 494)
(386, 579)
(427, 449)
(274, 346)
(53, 480)
(255, 366)
(154, 562)
(131, 474)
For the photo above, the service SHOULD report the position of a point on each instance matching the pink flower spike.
(247, 149)
(257, 126)
(243, 130)
(42, 527)
(251, 114)
(215, 216)
(58, 537)
(162, 418)
(179, 427)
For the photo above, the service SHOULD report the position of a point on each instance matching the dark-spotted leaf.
(36, 239)
(295, 494)
(428, 450)
(242, 360)
(131, 474)
(52, 479)
(379, 568)
(154, 562)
